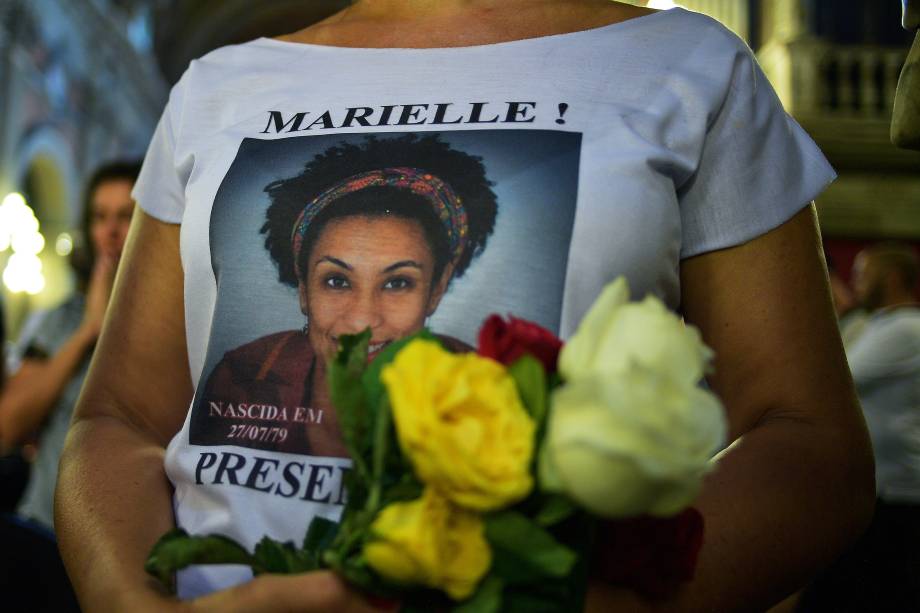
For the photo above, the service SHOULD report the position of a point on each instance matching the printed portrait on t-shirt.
(391, 233)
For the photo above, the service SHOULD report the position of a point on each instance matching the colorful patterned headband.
(443, 200)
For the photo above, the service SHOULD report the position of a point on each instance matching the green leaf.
(320, 535)
(355, 488)
(347, 394)
(349, 538)
(405, 489)
(352, 353)
(486, 599)
(555, 594)
(579, 533)
(177, 550)
(357, 572)
(523, 551)
(283, 558)
(530, 378)
(381, 445)
(554, 510)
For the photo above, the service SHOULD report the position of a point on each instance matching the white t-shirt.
(619, 150)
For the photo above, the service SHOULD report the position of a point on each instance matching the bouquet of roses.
(492, 481)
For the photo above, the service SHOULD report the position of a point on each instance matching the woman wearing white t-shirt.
(692, 182)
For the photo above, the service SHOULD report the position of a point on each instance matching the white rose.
(616, 333)
(630, 444)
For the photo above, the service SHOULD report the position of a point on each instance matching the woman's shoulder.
(231, 70)
(683, 36)
(664, 41)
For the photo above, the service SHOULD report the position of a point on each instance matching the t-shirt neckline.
(617, 25)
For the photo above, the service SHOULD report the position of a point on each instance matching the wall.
(77, 88)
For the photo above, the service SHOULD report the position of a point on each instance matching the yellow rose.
(631, 443)
(462, 425)
(430, 542)
(616, 333)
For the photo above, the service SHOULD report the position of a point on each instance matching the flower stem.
(378, 459)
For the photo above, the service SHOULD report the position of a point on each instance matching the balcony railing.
(814, 77)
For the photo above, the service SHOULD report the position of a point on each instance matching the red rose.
(507, 341)
(648, 554)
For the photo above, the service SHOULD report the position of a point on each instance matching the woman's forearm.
(784, 500)
(798, 483)
(113, 501)
(32, 393)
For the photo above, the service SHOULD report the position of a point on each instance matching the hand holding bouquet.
(478, 478)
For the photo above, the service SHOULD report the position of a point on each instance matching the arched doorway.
(46, 180)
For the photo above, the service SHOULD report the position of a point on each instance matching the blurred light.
(17, 220)
(19, 230)
(28, 242)
(64, 244)
(35, 284)
(661, 5)
(13, 199)
(14, 210)
(23, 273)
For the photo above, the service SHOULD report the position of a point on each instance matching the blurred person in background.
(885, 362)
(851, 317)
(37, 403)
(882, 571)
(56, 346)
(14, 469)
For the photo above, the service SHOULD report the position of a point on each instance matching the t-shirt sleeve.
(757, 167)
(160, 187)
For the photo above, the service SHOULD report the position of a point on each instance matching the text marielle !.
(442, 113)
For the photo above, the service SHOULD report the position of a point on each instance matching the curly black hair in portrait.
(464, 173)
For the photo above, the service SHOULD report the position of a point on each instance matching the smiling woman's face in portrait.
(369, 272)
